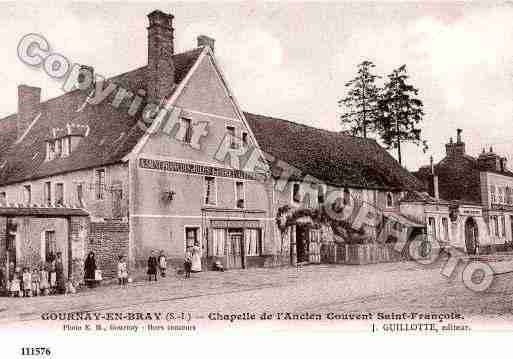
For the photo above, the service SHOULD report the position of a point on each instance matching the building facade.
(479, 191)
(168, 159)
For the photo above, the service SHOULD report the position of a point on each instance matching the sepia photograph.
(187, 169)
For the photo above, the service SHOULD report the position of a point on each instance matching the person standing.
(187, 263)
(59, 271)
(162, 264)
(152, 267)
(196, 258)
(122, 271)
(89, 270)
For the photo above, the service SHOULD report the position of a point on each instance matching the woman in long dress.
(89, 269)
(196, 258)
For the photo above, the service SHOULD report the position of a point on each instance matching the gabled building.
(203, 173)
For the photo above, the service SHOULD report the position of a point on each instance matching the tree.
(360, 104)
(400, 113)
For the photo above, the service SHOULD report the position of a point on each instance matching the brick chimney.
(455, 149)
(490, 161)
(204, 40)
(161, 70)
(29, 99)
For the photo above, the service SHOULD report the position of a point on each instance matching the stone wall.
(108, 240)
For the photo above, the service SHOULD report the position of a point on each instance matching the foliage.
(360, 103)
(400, 113)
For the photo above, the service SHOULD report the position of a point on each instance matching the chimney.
(161, 69)
(435, 180)
(204, 40)
(455, 149)
(29, 99)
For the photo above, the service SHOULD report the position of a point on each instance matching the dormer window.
(57, 148)
(390, 200)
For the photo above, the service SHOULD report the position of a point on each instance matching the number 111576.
(35, 351)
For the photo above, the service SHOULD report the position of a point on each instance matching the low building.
(479, 190)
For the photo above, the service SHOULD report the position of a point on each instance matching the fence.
(360, 253)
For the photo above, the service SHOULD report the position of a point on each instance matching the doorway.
(235, 252)
(302, 242)
(471, 235)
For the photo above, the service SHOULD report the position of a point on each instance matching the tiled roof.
(112, 132)
(332, 157)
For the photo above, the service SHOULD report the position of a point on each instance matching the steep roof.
(332, 157)
(112, 132)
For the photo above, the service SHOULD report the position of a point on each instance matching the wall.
(159, 223)
(115, 175)
(108, 240)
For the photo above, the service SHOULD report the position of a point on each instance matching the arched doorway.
(471, 235)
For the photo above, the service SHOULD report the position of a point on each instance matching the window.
(239, 194)
(49, 246)
(58, 148)
(47, 190)
(503, 226)
(100, 184)
(445, 229)
(231, 133)
(59, 194)
(210, 191)
(321, 194)
(496, 226)
(245, 139)
(492, 193)
(191, 236)
(501, 198)
(296, 193)
(432, 228)
(80, 195)
(27, 194)
(50, 150)
(66, 146)
(186, 125)
(218, 241)
(390, 200)
(347, 196)
(253, 243)
(3, 199)
(508, 195)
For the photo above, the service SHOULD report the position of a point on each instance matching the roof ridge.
(312, 127)
(111, 78)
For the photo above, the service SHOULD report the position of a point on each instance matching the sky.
(291, 60)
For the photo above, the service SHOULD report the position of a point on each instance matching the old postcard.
(190, 169)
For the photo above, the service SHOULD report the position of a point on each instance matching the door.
(302, 242)
(235, 248)
(117, 197)
(314, 249)
(471, 235)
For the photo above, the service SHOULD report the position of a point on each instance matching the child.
(187, 264)
(43, 284)
(53, 278)
(70, 288)
(27, 282)
(122, 271)
(36, 279)
(15, 284)
(162, 264)
(152, 267)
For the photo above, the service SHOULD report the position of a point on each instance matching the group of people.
(44, 279)
(158, 264)
(93, 275)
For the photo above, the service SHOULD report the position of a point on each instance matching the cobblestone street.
(390, 287)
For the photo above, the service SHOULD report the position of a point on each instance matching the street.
(386, 288)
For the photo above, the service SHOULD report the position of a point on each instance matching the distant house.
(484, 183)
